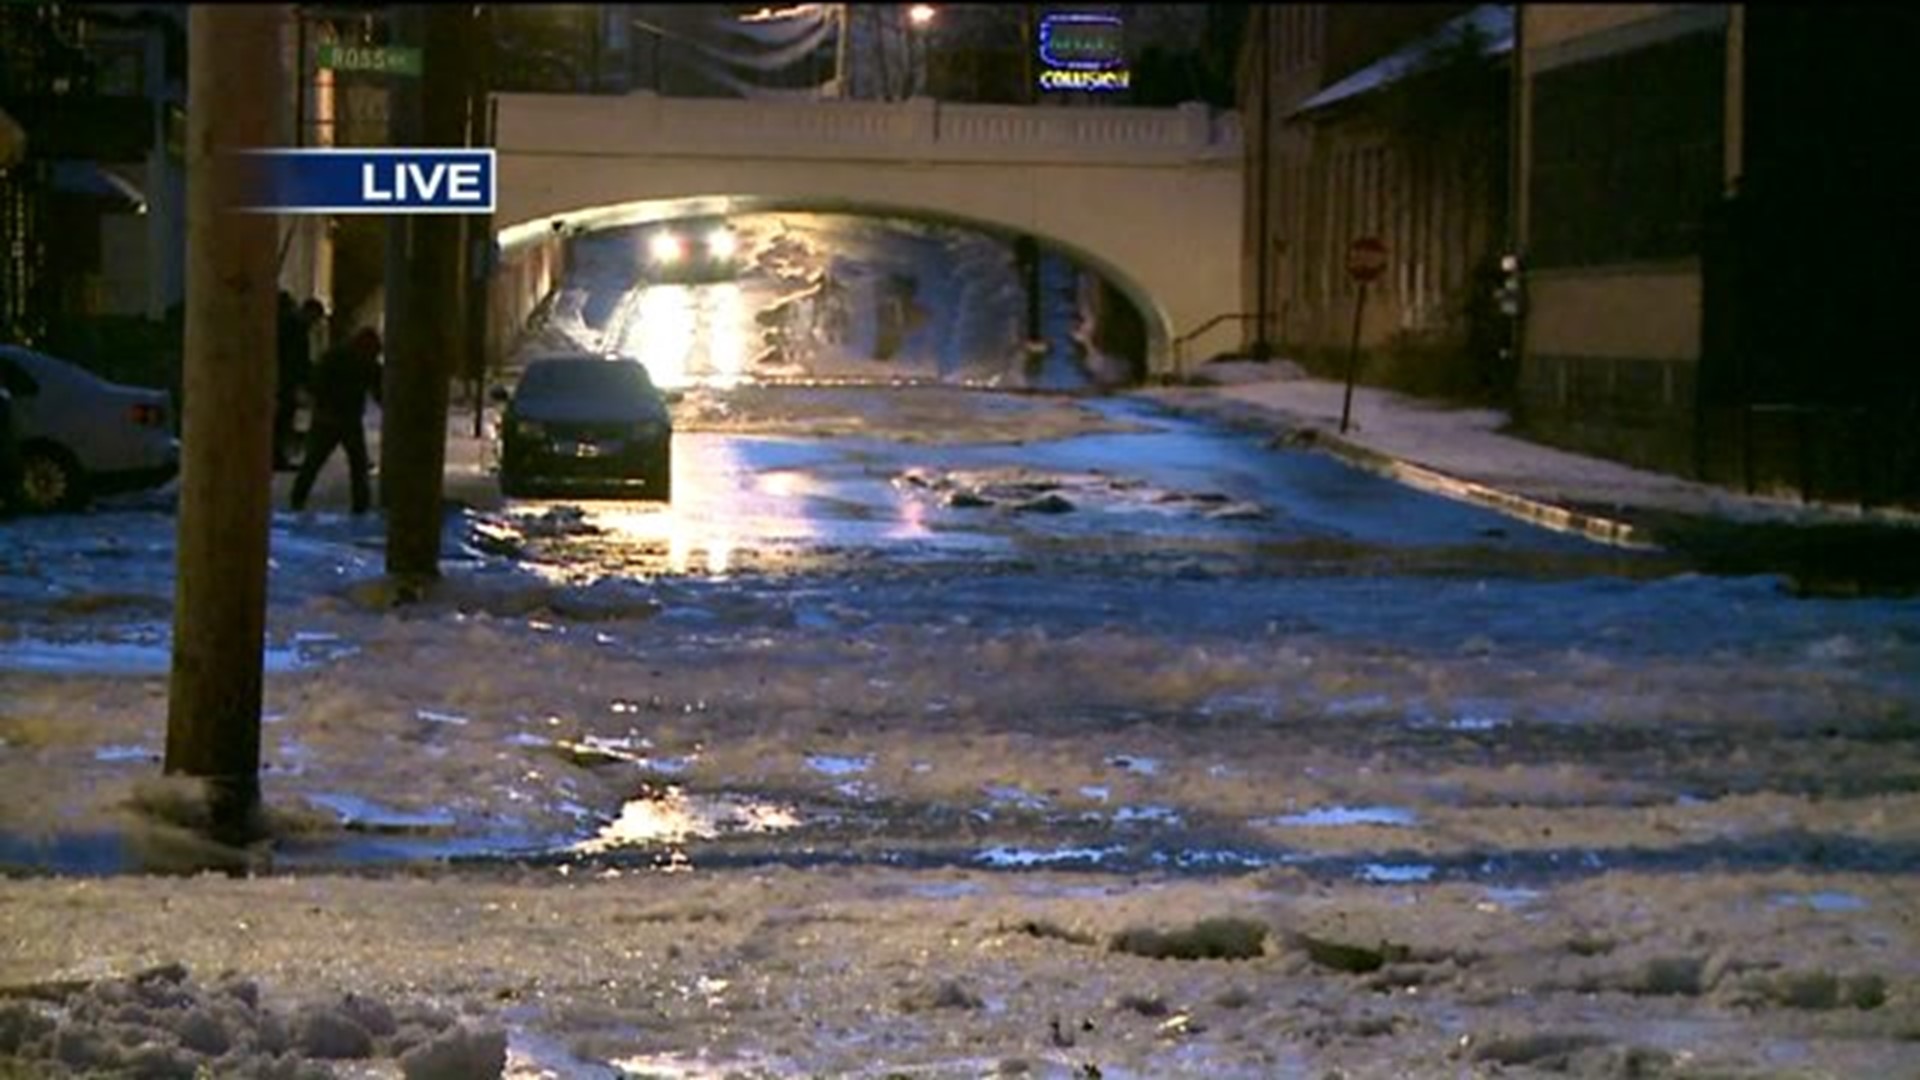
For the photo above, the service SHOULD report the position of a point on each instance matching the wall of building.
(1346, 171)
(1623, 157)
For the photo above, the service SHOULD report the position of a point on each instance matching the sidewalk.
(469, 465)
(1463, 453)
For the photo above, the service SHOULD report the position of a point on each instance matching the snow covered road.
(859, 799)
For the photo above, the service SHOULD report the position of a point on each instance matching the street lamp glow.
(920, 14)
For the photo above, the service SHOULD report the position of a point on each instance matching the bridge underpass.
(1149, 199)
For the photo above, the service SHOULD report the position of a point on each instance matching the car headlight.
(531, 429)
(665, 247)
(721, 243)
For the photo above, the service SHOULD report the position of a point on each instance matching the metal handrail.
(1180, 343)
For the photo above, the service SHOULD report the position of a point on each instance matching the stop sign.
(1366, 258)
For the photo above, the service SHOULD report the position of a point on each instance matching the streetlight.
(919, 19)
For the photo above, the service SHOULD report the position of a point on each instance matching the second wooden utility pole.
(424, 263)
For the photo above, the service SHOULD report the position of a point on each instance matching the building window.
(1627, 154)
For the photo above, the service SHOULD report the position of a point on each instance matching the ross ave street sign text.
(379, 59)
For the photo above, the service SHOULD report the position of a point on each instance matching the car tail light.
(147, 415)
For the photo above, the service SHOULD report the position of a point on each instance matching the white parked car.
(80, 435)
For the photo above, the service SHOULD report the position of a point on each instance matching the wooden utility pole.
(479, 239)
(235, 82)
(403, 129)
(425, 261)
(1263, 178)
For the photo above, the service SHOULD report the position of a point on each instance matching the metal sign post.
(1366, 260)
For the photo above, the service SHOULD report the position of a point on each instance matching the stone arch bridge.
(1150, 198)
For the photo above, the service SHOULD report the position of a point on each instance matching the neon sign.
(1118, 79)
(1083, 51)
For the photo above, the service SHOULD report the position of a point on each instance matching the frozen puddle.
(148, 650)
(364, 815)
(1821, 901)
(671, 816)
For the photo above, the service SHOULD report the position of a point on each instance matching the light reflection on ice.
(1010, 857)
(690, 1067)
(1216, 858)
(1331, 816)
(947, 890)
(1020, 797)
(1500, 897)
(1371, 703)
(630, 748)
(1136, 815)
(1396, 873)
(833, 765)
(1827, 901)
(291, 758)
(359, 813)
(670, 816)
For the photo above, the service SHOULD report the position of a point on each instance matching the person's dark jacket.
(296, 358)
(343, 380)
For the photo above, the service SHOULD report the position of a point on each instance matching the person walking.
(295, 358)
(313, 316)
(343, 380)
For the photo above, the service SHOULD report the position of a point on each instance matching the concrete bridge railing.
(644, 123)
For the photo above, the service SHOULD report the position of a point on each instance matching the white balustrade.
(920, 129)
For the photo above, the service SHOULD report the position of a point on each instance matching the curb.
(1308, 435)
(1610, 531)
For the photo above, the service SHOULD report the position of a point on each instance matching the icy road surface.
(910, 736)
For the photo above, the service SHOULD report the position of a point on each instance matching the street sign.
(379, 59)
(1366, 258)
